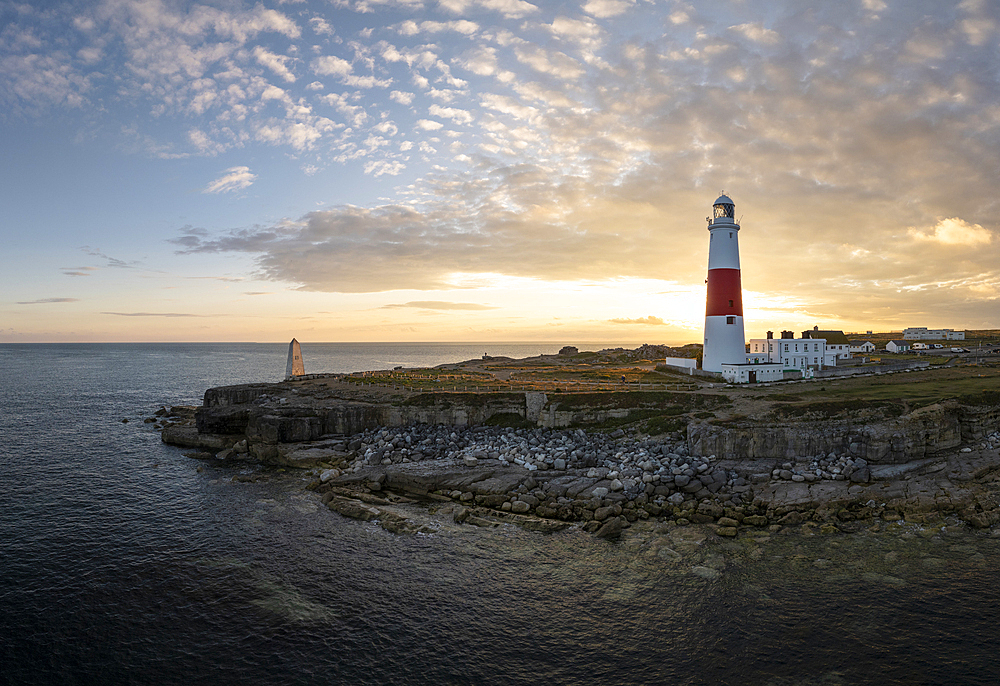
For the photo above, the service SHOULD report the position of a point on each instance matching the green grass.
(659, 400)
(917, 388)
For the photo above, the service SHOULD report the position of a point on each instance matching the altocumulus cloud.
(234, 179)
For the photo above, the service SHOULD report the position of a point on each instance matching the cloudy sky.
(474, 170)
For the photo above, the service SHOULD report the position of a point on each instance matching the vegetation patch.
(665, 424)
(989, 397)
(464, 399)
(829, 409)
(783, 397)
(658, 400)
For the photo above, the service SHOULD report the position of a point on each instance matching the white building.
(897, 346)
(792, 353)
(753, 372)
(922, 333)
(862, 347)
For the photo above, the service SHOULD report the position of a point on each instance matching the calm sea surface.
(120, 563)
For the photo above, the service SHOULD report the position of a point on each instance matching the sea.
(124, 562)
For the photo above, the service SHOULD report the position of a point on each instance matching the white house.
(753, 372)
(792, 353)
(922, 333)
(862, 347)
(897, 346)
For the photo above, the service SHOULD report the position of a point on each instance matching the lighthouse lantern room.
(724, 337)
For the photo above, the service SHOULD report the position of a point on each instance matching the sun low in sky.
(474, 170)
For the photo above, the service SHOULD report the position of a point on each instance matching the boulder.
(612, 528)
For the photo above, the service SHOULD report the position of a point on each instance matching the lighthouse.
(724, 342)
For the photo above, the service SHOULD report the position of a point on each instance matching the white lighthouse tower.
(724, 342)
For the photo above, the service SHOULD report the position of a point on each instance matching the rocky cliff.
(921, 433)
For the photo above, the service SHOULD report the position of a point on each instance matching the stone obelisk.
(295, 367)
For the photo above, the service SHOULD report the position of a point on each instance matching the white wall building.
(753, 372)
(922, 333)
(897, 346)
(862, 347)
(792, 353)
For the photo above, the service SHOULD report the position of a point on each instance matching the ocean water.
(122, 563)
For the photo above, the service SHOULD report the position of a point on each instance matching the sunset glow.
(463, 170)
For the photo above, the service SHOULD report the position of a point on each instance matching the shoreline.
(549, 479)
(735, 459)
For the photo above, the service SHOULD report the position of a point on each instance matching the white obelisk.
(294, 367)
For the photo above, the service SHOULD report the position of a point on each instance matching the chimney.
(770, 335)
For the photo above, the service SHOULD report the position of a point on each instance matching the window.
(730, 320)
(730, 303)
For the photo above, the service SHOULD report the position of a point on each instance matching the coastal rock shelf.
(727, 457)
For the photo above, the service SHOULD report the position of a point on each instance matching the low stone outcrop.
(922, 433)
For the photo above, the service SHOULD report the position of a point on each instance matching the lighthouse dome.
(723, 210)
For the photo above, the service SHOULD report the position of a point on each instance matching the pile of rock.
(618, 465)
(831, 467)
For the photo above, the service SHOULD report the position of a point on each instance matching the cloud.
(78, 271)
(954, 232)
(276, 63)
(320, 26)
(603, 9)
(377, 168)
(401, 97)
(456, 115)
(330, 65)
(756, 32)
(650, 320)
(235, 179)
(438, 305)
(552, 63)
(111, 262)
(45, 301)
(511, 9)
(157, 314)
(412, 28)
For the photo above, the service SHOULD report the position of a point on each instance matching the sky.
(493, 170)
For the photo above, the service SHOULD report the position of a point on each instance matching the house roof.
(832, 337)
(860, 342)
(899, 342)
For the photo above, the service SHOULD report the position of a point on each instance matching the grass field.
(917, 388)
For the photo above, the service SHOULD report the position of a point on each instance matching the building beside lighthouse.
(724, 337)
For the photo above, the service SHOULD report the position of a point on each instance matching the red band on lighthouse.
(725, 294)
